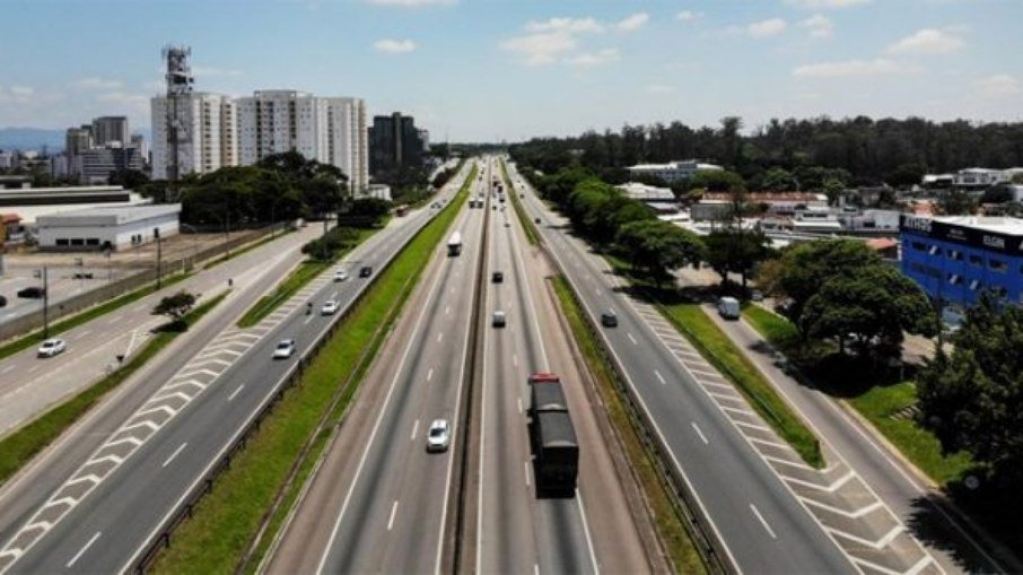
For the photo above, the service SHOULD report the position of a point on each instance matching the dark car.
(365, 271)
(497, 277)
(3, 301)
(32, 292)
(609, 319)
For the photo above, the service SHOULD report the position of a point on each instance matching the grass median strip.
(302, 275)
(19, 447)
(216, 538)
(670, 527)
(532, 236)
(718, 349)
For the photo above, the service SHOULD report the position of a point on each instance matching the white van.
(729, 308)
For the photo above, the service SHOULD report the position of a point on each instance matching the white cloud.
(817, 4)
(22, 91)
(766, 28)
(688, 16)
(928, 41)
(413, 3)
(819, 25)
(569, 25)
(633, 22)
(390, 46)
(876, 67)
(591, 59)
(97, 83)
(543, 48)
(210, 72)
(998, 86)
(660, 89)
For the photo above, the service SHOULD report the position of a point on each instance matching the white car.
(329, 307)
(52, 347)
(340, 275)
(439, 436)
(285, 349)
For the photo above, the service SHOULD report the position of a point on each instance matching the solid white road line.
(518, 400)
(175, 454)
(83, 550)
(309, 319)
(632, 339)
(394, 509)
(527, 472)
(447, 310)
(235, 392)
(660, 377)
(764, 523)
(700, 433)
(586, 531)
(515, 360)
(429, 374)
(440, 336)
(415, 428)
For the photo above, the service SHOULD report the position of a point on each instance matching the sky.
(490, 70)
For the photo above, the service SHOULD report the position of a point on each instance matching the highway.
(763, 528)
(95, 499)
(377, 500)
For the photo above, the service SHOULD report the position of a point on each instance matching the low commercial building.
(106, 227)
(30, 203)
(672, 171)
(956, 258)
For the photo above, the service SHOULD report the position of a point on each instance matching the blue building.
(956, 258)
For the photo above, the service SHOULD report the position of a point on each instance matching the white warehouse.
(96, 228)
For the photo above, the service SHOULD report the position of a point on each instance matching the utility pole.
(156, 234)
(46, 305)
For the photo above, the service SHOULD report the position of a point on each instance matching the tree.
(956, 203)
(658, 247)
(735, 250)
(375, 208)
(806, 267)
(872, 307)
(176, 307)
(971, 399)
(130, 179)
(717, 181)
(778, 180)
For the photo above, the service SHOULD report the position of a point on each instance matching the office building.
(95, 166)
(955, 258)
(394, 142)
(77, 140)
(206, 126)
(108, 130)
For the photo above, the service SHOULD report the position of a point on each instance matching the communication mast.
(179, 86)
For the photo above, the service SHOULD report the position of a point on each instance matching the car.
(497, 277)
(365, 271)
(499, 319)
(3, 301)
(340, 275)
(609, 319)
(32, 292)
(756, 295)
(330, 307)
(52, 347)
(285, 349)
(507, 224)
(536, 220)
(439, 436)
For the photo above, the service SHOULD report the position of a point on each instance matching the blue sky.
(475, 70)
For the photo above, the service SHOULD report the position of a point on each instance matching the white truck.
(455, 244)
(729, 308)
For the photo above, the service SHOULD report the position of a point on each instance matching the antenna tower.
(179, 87)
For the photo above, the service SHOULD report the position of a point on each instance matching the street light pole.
(159, 254)
(46, 305)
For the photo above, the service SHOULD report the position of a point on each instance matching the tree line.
(859, 151)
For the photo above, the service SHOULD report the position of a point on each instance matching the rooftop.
(997, 224)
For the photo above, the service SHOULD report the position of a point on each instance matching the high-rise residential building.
(139, 141)
(329, 130)
(394, 142)
(207, 134)
(109, 129)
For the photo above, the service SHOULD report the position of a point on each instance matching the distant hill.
(31, 139)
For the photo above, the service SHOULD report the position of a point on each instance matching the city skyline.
(511, 71)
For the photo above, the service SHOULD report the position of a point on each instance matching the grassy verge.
(215, 540)
(231, 254)
(718, 349)
(19, 447)
(670, 527)
(302, 275)
(33, 339)
(532, 236)
(885, 406)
